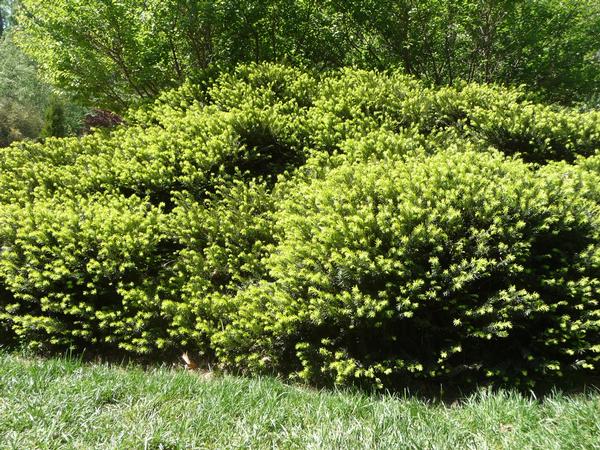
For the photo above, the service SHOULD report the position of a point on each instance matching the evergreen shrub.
(456, 265)
(344, 227)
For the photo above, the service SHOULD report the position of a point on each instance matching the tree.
(23, 97)
(54, 124)
(112, 53)
(6, 17)
(546, 44)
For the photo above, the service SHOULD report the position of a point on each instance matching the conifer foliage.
(346, 227)
(54, 121)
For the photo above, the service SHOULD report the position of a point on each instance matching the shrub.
(461, 265)
(83, 271)
(189, 151)
(100, 118)
(224, 241)
(354, 103)
(538, 133)
(17, 122)
(350, 226)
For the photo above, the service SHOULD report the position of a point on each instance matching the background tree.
(24, 97)
(111, 53)
(54, 123)
(546, 44)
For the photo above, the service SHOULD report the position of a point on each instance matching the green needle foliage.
(349, 227)
(437, 267)
(54, 122)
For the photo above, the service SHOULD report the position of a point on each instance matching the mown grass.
(64, 403)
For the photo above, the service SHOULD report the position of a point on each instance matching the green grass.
(61, 403)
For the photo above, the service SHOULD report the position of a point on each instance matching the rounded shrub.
(264, 85)
(457, 266)
(353, 103)
(347, 226)
(190, 152)
(224, 241)
(84, 271)
(537, 133)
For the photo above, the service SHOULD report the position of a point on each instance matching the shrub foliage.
(346, 227)
(439, 266)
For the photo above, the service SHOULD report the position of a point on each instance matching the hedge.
(461, 264)
(341, 227)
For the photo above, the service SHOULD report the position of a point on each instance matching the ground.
(65, 403)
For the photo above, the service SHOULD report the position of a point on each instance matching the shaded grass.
(64, 403)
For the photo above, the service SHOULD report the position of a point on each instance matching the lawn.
(64, 403)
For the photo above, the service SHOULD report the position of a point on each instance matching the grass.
(63, 403)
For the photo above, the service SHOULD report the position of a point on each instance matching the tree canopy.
(111, 53)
